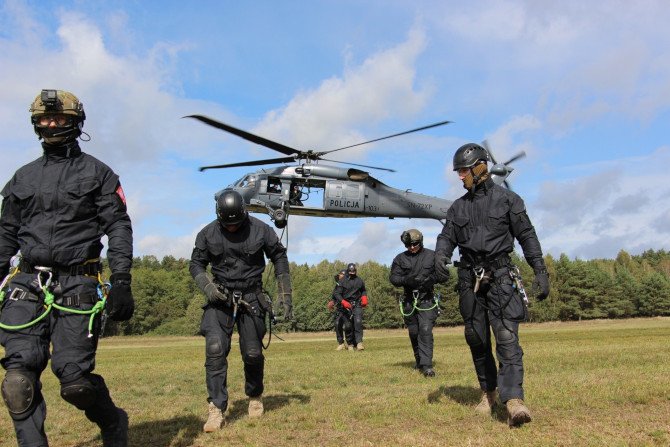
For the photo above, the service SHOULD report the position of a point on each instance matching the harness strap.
(77, 299)
(90, 268)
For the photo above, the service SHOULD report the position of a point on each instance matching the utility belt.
(483, 269)
(488, 265)
(19, 294)
(90, 268)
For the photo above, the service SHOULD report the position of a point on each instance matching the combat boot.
(215, 420)
(351, 347)
(486, 404)
(341, 347)
(116, 435)
(360, 346)
(427, 371)
(255, 407)
(518, 413)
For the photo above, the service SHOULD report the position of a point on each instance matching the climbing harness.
(415, 308)
(102, 290)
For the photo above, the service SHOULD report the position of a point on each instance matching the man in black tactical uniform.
(55, 210)
(414, 271)
(341, 315)
(483, 225)
(234, 245)
(350, 293)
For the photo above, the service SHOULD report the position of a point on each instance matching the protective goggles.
(59, 119)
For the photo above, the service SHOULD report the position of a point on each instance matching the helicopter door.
(344, 196)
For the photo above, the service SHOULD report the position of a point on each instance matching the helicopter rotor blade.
(516, 157)
(485, 145)
(356, 164)
(386, 137)
(250, 163)
(246, 135)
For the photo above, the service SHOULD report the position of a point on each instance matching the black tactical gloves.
(411, 282)
(541, 283)
(442, 267)
(205, 282)
(418, 282)
(120, 300)
(285, 295)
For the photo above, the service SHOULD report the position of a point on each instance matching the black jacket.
(237, 257)
(484, 225)
(57, 208)
(407, 267)
(350, 289)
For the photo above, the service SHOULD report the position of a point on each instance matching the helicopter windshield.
(246, 182)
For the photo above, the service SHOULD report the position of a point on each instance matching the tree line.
(169, 303)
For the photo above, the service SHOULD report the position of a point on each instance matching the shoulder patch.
(121, 194)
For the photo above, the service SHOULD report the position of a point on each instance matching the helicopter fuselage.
(330, 191)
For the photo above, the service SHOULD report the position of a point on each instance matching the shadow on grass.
(464, 395)
(179, 431)
(409, 365)
(271, 402)
(468, 396)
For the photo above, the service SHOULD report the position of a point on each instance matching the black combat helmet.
(468, 155)
(411, 237)
(230, 208)
(351, 269)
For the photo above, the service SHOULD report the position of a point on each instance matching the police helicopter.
(344, 191)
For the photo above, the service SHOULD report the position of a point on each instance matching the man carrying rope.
(55, 210)
(414, 271)
(235, 246)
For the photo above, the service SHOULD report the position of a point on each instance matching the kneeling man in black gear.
(55, 211)
(235, 246)
(483, 224)
(414, 271)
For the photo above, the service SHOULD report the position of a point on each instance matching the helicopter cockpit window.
(248, 182)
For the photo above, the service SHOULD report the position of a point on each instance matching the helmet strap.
(477, 175)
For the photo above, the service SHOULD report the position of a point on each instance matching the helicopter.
(345, 192)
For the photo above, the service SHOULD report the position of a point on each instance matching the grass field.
(600, 383)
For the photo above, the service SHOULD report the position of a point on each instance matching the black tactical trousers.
(72, 355)
(338, 323)
(495, 308)
(217, 328)
(353, 326)
(420, 326)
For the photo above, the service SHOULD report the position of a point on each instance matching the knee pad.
(20, 393)
(253, 356)
(504, 336)
(81, 393)
(215, 356)
(471, 337)
(213, 347)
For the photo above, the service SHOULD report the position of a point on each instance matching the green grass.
(596, 383)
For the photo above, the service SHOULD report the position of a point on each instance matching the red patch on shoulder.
(121, 194)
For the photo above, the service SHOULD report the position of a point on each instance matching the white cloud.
(622, 205)
(382, 86)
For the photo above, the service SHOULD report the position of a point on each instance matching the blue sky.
(582, 87)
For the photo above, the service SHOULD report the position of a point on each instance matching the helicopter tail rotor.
(500, 171)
